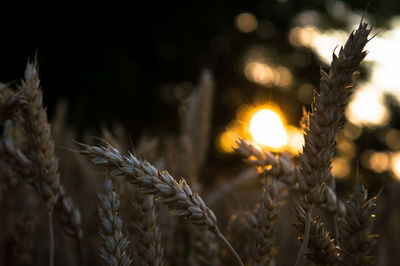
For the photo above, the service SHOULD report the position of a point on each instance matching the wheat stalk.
(10, 103)
(206, 249)
(267, 218)
(240, 233)
(146, 233)
(176, 196)
(328, 109)
(114, 249)
(321, 248)
(275, 167)
(67, 214)
(196, 126)
(281, 167)
(356, 226)
(322, 124)
(329, 200)
(40, 145)
(40, 148)
(40, 151)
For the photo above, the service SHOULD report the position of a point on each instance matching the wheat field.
(84, 200)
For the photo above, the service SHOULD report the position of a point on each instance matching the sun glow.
(267, 129)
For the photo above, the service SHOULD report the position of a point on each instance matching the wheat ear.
(40, 148)
(267, 214)
(240, 232)
(114, 249)
(323, 122)
(321, 248)
(40, 151)
(328, 109)
(66, 213)
(356, 226)
(10, 103)
(146, 233)
(206, 249)
(40, 145)
(176, 196)
(329, 200)
(280, 167)
(196, 126)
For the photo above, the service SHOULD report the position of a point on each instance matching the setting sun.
(267, 129)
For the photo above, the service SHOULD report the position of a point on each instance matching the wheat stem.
(51, 233)
(227, 244)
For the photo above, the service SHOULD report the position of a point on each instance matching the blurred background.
(137, 66)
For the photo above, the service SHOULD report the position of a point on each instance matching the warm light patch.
(303, 36)
(259, 73)
(284, 77)
(367, 107)
(392, 139)
(346, 148)
(267, 129)
(268, 74)
(246, 22)
(306, 93)
(295, 140)
(226, 141)
(340, 167)
(396, 165)
(352, 131)
(379, 161)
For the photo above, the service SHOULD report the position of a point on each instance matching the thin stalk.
(227, 244)
(306, 234)
(51, 246)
